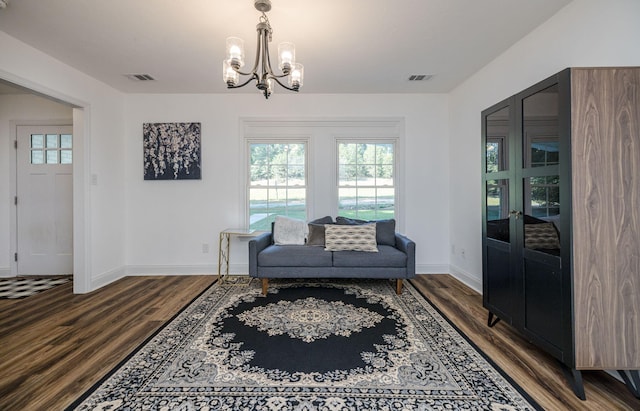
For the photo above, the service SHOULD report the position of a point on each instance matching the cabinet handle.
(515, 213)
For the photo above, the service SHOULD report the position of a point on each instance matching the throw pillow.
(316, 234)
(541, 236)
(316, 230)
(289, 231)
(385, 229)
(360, 237)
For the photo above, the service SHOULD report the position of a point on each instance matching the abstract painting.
(171, 151)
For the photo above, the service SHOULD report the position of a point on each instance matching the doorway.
(44, 200)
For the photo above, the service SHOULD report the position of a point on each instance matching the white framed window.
(277, 181)
(366, 179)
(268, 193)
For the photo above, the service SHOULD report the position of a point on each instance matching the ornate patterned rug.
(307, 345)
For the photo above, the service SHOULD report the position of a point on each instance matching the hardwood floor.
(538, 373)
(56, 345)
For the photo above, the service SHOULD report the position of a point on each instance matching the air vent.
(140, 77)
(420, 77)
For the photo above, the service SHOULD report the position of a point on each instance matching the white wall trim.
(432, 268)
(203, 269)
(467, 278)
(5, 272)
(105, 278)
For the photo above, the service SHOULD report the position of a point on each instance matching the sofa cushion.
(294, 256)
(350, 237)
(385, 229)
(387, 256)
(289, 231)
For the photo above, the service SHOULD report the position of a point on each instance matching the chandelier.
(262, 73)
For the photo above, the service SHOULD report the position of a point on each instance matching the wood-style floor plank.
(538, 373)
(56, 345)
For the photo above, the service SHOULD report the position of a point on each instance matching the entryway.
(44, 200)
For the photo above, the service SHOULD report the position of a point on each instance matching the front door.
(44, 203)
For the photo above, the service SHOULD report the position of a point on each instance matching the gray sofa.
(268, 260)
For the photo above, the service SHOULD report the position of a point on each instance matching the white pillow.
(289, 231)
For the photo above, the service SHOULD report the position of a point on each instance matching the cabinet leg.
(574, 378)
(490, 321)
(632, 380)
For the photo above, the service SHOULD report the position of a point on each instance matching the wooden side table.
(224, 248)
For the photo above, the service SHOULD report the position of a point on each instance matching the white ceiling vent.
(420, 77)
(140, 77)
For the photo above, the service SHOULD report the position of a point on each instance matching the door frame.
(13, 176)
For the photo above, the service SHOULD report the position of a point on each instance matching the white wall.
(584, 33)
(168, 221)
(98, 149)
(14, 110)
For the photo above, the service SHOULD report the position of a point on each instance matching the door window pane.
(542, 209)
(37, 141)
(52, 157)
(66, 157)
(37, 157)
(52, 141)
(66, 141)
(540, 128)
(496, 150)
(498, 209)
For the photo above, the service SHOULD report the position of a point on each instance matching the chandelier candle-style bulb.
(286, 56)
(235, 52)
(297, 74)
(229, 75)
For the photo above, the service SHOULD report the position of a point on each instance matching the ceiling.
(346, 46)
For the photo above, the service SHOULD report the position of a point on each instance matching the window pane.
(66, 156)
(37, 141)
(52, 141)
(273, 170)
(37, 157)
(347, 175)
(369, 167)
(66, 141)
(52, 157)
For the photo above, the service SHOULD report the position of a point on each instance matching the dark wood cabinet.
(561, 218)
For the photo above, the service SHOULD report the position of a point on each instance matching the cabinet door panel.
(543, 313)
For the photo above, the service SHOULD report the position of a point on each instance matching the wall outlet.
(205, 248)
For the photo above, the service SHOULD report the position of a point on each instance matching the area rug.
(326, 345)
(22, 287)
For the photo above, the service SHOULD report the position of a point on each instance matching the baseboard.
(106, 278)
(432, 268)
(137, 270)
(5, 272)
(466, 278)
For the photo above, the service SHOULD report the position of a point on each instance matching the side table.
(224, 248)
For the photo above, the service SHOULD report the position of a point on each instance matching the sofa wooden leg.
(399, 286)
(265, 286)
